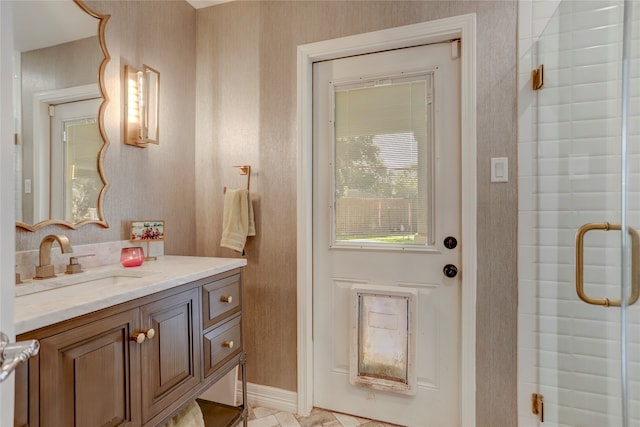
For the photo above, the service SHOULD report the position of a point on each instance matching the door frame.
(464, 27)
(42, 138)
(8, 197)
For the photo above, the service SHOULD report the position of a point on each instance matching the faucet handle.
(74, 266)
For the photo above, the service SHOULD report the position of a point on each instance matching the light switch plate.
(499, 169)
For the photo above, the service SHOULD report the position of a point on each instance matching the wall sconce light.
(142, 96)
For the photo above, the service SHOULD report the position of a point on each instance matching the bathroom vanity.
(132, 350)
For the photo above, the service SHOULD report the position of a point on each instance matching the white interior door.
(75, 143)
(386, 199)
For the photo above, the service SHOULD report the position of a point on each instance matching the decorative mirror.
(60, 60)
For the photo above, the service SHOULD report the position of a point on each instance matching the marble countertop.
(44, 308)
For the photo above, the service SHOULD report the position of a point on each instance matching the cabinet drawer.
(222, 344)
(220, 299)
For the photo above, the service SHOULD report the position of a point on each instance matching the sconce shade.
(142, 101)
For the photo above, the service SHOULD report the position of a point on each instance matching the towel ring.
(244, 170)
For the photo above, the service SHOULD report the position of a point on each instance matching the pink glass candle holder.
(132, 257)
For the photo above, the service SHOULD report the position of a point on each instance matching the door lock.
(450, 242)
(450, 271)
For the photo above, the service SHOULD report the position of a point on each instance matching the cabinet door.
(171, 361)
(86, 374)
(21, 402)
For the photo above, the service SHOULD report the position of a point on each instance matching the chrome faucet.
(46, 270)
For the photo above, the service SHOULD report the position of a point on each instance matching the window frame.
(431, 161)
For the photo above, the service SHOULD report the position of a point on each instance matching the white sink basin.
(94, 278)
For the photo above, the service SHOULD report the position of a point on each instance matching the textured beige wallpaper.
(246, 112)
(228, 97)
(155, 182)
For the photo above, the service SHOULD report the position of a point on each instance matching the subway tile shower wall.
(569, 170)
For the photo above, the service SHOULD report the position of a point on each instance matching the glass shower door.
(587, 192)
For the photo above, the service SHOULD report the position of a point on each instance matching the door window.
(383, 163)
(82, 183)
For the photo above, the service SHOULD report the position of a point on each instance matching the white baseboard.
(269, 397)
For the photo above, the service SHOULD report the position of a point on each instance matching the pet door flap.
(383, 339)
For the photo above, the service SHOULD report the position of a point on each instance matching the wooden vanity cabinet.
(97, 370)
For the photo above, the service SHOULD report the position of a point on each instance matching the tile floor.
(266, 417)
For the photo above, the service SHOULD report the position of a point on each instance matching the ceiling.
(198, 4)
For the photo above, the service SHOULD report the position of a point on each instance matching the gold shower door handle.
(635, 264)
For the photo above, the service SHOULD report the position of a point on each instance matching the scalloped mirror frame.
(102, 23)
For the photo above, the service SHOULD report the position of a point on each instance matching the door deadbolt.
(450, 271)
(450, 242)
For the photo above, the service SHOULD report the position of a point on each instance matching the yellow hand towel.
(237, 219)
(189, 416)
